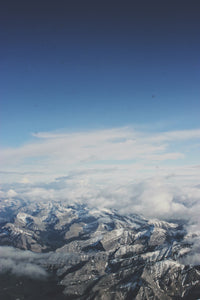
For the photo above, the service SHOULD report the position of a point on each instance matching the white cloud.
(152, 173)
(20, 263)
(25, 180)
(177, 135)
(129, 151)
(11, 193)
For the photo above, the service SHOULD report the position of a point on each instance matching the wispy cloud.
(123, 149)
(179, 135)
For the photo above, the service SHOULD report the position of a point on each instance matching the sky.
(100, 101)
(78, 65)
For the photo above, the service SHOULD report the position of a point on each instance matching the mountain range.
(53, 250)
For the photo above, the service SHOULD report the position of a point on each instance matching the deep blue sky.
(82, 65)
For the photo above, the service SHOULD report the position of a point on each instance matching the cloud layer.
(156, 174)
(22, 263)
(120, 153)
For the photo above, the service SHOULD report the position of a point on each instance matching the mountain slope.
(94, 254)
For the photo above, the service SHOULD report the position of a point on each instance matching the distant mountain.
(76, 252)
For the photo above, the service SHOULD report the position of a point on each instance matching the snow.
(184, 251)
(22, 217)
(142, 234)
(151, 255)
(17, 230)
(163, 224)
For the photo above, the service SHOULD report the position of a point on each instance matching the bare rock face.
(94, 254)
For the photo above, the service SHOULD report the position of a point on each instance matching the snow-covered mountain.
(88, 253)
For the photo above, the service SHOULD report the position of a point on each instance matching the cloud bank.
(32, 265)
(21, 263)
(156, 174)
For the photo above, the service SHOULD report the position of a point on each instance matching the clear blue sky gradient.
(83, 65)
